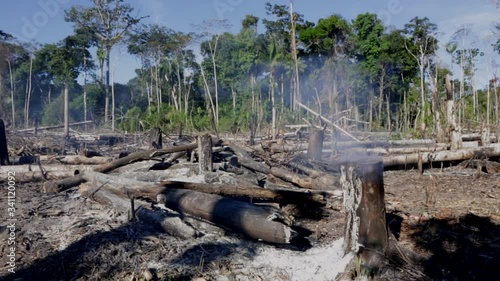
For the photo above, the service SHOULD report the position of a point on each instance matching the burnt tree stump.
(365, 231)
(315, 148)
(4, 152)
(205, 154)
(155, 138)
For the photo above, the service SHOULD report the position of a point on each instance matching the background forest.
(358, 73)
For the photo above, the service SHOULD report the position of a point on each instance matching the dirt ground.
(450, 218)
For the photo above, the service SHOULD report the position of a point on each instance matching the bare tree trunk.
(84, 89)
(388, 110)
(12, 95)
(273, 106)
(298, 97)
(113, 100)
(106, 89)
(66, 113)
(28, 94)
(454, 133)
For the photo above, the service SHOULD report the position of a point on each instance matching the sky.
(43, 20)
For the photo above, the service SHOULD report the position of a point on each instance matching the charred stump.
(155, 138)
(205, 154)
(315, 149)
(365, 231)
(4, 152)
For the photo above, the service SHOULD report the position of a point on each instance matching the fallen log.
(441, 156)
(172, 225)
(55, 126)
(252, 191)
(256, 222)
(37, 176)
(81, 160)
(61, 185)
(299, 180)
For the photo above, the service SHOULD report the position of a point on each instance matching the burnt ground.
(450, 218)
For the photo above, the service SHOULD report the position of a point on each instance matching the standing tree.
(5, 54)
(64, 62)
(421, 44)
(109, 21)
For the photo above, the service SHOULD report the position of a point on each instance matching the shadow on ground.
(465, 248)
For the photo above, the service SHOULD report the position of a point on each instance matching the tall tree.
(5, 54)
(421, 44)
(64, 61)
(109, 20)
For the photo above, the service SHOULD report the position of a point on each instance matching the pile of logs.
(237, 186)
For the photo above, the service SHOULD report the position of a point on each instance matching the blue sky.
(43, 20)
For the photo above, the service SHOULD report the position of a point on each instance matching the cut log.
(37, 176)
(82, 160)
(440, 156)
(55, 127)
(172, 225)
(254, 221)
(365, 228)
(252, 191)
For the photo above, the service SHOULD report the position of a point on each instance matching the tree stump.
(315, 149)
(205, 154)
(4, 152)
(365, 230)
(155, 138)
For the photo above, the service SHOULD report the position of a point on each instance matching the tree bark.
(66, 109)
(315, 149)
(365, 229)
(440, 156)
(251, 220)
(454, 132)
(245, 189)
(172, 225)
(205, 154)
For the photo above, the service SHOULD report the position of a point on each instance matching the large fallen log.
(251, 191)
(441, 156)
(172, 225)
(257, 222)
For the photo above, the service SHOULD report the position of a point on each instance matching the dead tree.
(205, 153)
(155, 139)
(4, 152)
(315, 149)
(365, 229)
(453, 130)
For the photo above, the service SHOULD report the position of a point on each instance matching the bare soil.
(449, 217)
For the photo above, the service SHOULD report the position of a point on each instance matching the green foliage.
(53, 115)
(131, 120)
